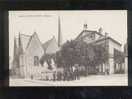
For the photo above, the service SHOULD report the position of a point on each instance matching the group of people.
(68, 75)
(65, 75)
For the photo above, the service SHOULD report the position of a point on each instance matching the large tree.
(47, 58)
(101, 54)
(81, 53)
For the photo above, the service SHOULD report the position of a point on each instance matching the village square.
(92, 57)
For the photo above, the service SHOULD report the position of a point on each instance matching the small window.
(36, 60)
(91, 36)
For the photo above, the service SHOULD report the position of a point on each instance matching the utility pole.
(107, 65)
(59, 32)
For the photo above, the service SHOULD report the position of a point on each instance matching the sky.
(45, 24)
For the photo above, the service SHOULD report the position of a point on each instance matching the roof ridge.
(84, 31)
(35, 33)
(29, 41)
(115, 40)
(49, 39)
(91, 30)
(45, 45)
(26, 35)
(109, 38)
(31, 37)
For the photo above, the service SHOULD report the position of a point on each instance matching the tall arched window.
(36, 61)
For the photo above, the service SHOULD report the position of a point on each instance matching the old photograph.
(68, 48)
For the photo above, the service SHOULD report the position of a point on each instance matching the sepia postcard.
(68, 48)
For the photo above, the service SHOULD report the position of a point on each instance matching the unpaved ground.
(93, 80)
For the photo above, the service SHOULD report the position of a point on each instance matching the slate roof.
(46, 44)
(26, 39)
(50, 45)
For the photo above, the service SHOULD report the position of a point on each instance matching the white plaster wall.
(112, 45)
(34, 49)
(21, 59)
(111, 65)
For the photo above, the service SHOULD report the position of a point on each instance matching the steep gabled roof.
(33, 36)
(22, 41)
(50, 46)
(46, 44)
(25, 41)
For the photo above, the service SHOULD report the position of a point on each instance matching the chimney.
(59, 32)
(85, 26)
(100, 30)
(106, 34)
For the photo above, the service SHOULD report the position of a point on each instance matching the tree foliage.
(119, 56)
(47, 58)
(78, 52)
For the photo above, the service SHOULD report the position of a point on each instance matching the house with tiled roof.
(27, 52)
(110, 44)
(50, 46)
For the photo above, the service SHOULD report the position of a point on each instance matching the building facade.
(112, 46)
(29, 50)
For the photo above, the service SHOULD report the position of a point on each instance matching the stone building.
(28, 50)
(110, 44)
